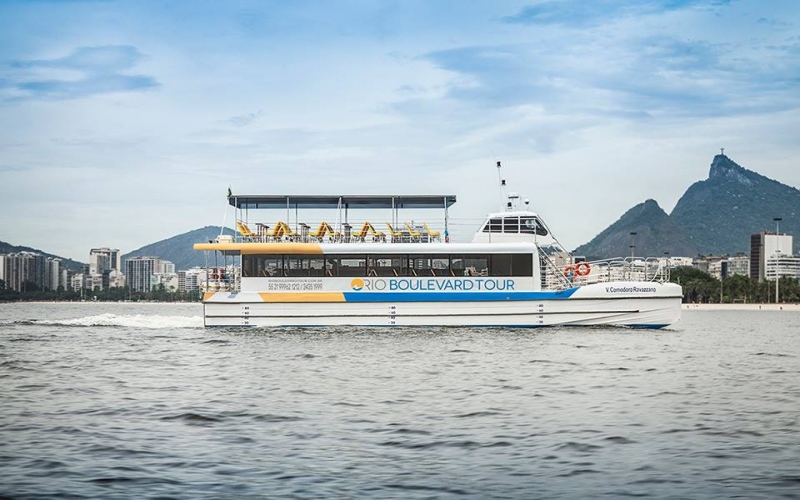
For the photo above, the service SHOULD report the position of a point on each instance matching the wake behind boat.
(513, 272)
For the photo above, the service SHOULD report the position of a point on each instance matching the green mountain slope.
(720, 213)
(656, 233)
(67, 263)
(178, 249)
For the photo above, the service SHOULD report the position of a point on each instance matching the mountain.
(720, 213)
(74, 265)
(656, 233)
(178, 249)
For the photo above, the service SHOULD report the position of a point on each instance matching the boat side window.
(316, 266)
(500, 265)
(522, 264)
(440, 265)
(531, 225)
(248, 266)
(295, 265)
(476, 265)
(494, 225)
(458, 266)
(270, 265)
(351, 265)
(385, 265)
(303, 265)
(419, 265)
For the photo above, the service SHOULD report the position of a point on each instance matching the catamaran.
(513, 273)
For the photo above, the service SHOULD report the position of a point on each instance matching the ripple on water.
(138, 409)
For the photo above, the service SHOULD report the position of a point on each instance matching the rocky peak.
(724, 168)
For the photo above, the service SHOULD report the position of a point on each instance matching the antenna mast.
(503, 196)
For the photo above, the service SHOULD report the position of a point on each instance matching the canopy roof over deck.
(375, 202)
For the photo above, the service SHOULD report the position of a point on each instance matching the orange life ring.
(569, 271)
(582, 268)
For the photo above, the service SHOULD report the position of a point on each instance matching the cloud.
(244, 120)
(581, 13)
(102, 68)
(629, 76)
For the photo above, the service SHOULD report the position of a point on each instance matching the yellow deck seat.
(396, 235)
(362, 233)
(245, 231)
(415, 235)
(434, 235)
(321, 230)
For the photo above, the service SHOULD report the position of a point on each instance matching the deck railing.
(602, 271)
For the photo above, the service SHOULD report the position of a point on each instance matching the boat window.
(419, 265)
(521, 264)
(440, 265)
(531, 225)
(248, 266)
(500, 265)
(270, 265)
(458, 266)
(511, 225)
(303, 265)
(347, 265)
(470, 265)
(494, 226)
(388, 265)
(385, 265)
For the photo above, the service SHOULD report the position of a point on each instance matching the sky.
(124, 122)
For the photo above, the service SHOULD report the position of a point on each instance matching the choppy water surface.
(135, 401)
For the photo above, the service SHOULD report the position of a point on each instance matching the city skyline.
(125, 122)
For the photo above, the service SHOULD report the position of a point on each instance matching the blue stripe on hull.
(455, 296)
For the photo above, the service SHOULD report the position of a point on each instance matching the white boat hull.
(645, 305)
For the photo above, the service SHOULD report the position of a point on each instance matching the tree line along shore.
(698, 288)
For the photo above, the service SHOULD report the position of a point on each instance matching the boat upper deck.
(290, 229)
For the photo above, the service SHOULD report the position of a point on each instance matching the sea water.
(140, 401)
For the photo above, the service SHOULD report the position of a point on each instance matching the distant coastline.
(741, 307)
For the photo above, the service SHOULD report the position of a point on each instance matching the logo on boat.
(432, 285)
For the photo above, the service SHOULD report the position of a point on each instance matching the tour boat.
(513, 273)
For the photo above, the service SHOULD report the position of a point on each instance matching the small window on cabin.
(522, 264)
(458, 265)
(440, 265)
(419, 265)
(352, 265)
(331, 266)
(303, 265)
(270, 265)
(316, 266)
(295, 265)
(248, 266)
(476, 265)
(531, 225)
(385, 265)
(494, 226)
(511, 225)
(500, 265)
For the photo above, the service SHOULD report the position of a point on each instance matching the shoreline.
(792, 307)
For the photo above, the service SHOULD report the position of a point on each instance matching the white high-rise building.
(103, 259)
(139, 272)
(766, 247)
(23, 270)
(52, 275)
(166, 267)
(190, 280)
